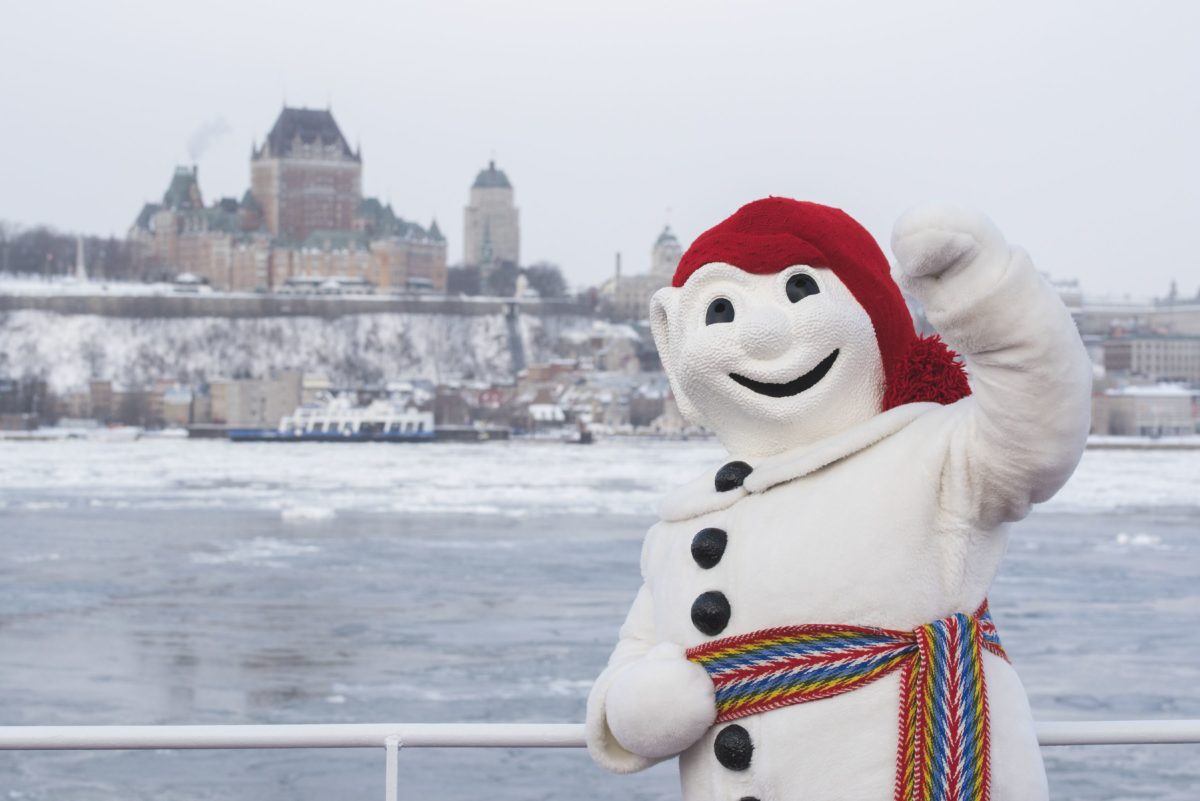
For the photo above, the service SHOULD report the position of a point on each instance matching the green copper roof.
(491, 178)
(148, 211)
(381, 220)
(184, 190)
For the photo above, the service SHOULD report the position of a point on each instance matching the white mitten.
(931, 239)
(661, 704)
(949, 259)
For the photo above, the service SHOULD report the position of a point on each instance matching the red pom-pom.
(929, 372)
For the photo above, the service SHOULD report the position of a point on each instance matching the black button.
(732, 475)
(747, 798)
(710, 612)
(708, 546)
(733, 747)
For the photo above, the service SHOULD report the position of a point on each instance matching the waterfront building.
(1155, 410)
(1100, 317)
(177, 405)
(491, 221)
(1154, 357)
(255, 402)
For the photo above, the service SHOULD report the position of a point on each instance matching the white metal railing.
(394, 736)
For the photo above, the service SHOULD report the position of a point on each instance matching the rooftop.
(491, 178)
(184, 190)
(1169, 336)
(667, 237)
(309, 125)
(381, 220)
(1153, 391)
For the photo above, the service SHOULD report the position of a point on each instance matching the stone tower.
(666, 253)
(305, 176)
(491, 227)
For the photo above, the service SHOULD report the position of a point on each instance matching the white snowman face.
(768, 362)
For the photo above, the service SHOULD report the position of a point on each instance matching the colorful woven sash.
(943, 752)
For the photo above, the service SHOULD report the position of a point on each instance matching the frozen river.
(205, 582)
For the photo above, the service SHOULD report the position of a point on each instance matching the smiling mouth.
(793, 387)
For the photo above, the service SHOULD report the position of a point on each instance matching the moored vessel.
(339, 420)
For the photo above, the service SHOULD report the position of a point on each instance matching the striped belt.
(943, 753)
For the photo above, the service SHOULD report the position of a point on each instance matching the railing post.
(391, 774)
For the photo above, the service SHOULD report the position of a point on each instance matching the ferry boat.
(339, 420)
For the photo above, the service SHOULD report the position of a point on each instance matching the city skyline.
(1067, 131)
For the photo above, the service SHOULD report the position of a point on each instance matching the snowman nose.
(764, 332)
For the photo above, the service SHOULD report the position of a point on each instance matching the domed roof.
(667, 237)
(491, 178)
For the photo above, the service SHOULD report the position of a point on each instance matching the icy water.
(205, 582)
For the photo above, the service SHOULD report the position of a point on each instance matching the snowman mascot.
(813, 622)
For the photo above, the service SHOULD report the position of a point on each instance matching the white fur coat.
(895, 522)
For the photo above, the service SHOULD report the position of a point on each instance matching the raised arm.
(1019, 435)
(650, 703)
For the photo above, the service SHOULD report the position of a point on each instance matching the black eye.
(800, 286)
(719, 311)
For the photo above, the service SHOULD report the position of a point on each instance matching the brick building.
(223, 243)
(306, 176)
(303, 220)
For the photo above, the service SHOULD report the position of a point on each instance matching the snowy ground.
(39, 286)
(185, 581)
(65, 285)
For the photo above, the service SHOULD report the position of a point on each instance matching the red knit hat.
(775, 233)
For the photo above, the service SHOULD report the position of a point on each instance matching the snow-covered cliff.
(68, 350)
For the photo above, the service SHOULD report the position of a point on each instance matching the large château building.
(303, 221)
(491, 223)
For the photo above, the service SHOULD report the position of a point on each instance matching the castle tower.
(183, 193)
(491, 227)
(305, 176)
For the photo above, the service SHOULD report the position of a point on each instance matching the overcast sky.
(1074, 125)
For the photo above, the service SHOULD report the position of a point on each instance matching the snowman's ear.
(663, 306)
(664, 325)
